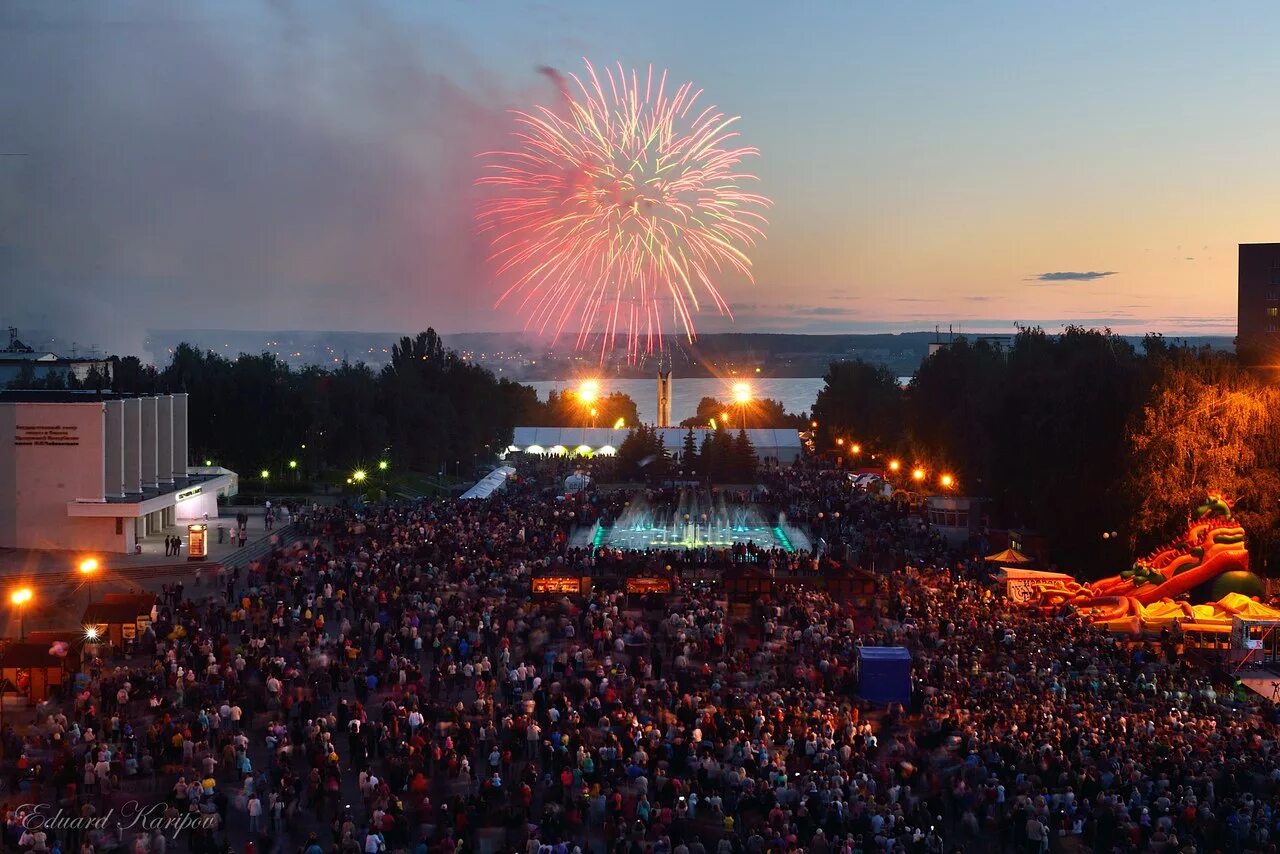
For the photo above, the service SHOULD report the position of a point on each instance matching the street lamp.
(855, 448)
(88, 567)
(917, 474)
(293, 464)
(359, 475)
(947, 481)
(894, 466)
(742, 396)
(20, 598)
(382, 465)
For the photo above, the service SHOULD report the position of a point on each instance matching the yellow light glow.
(89, 565)
(21, 596)
(594, 412)
(293, 464)
(382, 465)
(620, 424)
(265, 474)
(840, 442)
(359, 475)
(917, 474)
(741, 393)
(947, 481)
(856, 448)
(588, 391)
(91, 633)
(894, 465)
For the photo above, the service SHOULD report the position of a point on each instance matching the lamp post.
(19, 598)
(742, 396)
(88, 568)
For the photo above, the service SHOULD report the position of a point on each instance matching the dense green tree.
(762, 412)
(564, 409)
(1207, 426)
(689, 451)
(642, 456)
(862, 402)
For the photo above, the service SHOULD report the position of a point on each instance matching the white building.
(91, 471)
(773, 446)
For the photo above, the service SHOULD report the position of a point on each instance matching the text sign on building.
(46, 434)
(187, 493)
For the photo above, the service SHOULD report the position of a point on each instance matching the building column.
(179, 435)
(113, 449)
(132, 440)
(164, 440)
(148, 468)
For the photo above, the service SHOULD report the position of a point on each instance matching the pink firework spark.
(626, 198)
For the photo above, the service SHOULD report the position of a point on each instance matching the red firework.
(624, 199)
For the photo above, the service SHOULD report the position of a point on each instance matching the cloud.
(1072, 276)
(238, 166)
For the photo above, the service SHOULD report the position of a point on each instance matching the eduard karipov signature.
(131, 816)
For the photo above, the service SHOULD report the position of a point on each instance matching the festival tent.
(1008, 556)
(884, 674)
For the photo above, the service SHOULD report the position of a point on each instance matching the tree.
(564, 409)
(642, 455)
(950, 408)
(689, 452)
(1208, 426)
(761, 412)
(743, 459)
(861, 401)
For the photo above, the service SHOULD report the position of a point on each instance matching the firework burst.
(621, 204)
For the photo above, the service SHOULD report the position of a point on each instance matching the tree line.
(428, 410)
(1077, 435)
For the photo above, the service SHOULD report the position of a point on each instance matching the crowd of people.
(384, 681)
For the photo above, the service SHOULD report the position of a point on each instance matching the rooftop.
(64, 396)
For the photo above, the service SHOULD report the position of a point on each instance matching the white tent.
(782, 446)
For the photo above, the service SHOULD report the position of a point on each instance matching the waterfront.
(796, 394)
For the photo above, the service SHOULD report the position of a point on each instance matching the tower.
(664, 398)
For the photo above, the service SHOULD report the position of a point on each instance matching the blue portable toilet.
(884, 674)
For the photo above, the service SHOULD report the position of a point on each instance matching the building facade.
(91, 471)
(1258, 322)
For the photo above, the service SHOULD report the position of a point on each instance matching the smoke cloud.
(206, 166)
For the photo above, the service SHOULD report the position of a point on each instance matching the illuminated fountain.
(698, 519)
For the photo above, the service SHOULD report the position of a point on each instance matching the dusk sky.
(311, 166)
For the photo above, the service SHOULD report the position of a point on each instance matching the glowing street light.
(855, 448)
(589, 391)
(947, 481)
(894, 465)
(741, 393)
(840, 442)
(265, 474)
(359, 475)
(208, 463)
(88, 568)
(20, 598)
(293, 464)
(382, 465)
(917, 474)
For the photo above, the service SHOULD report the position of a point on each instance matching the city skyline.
(312, 167)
